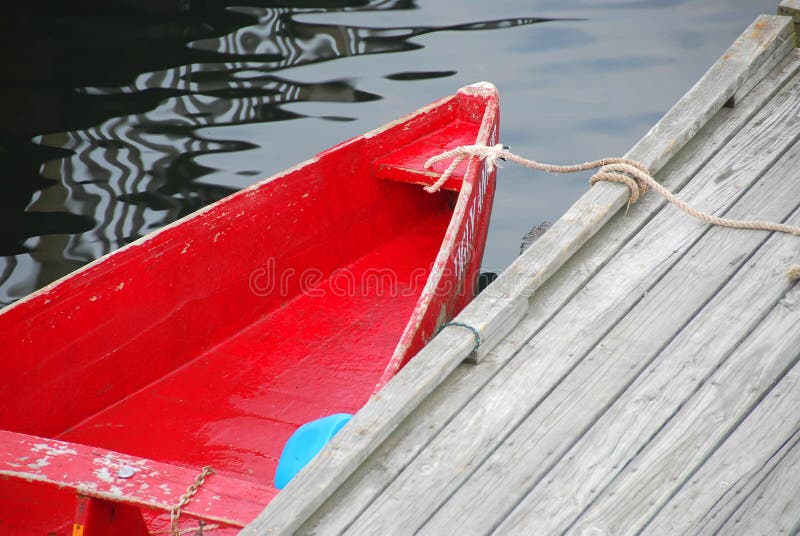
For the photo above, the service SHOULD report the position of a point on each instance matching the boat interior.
(211, 341)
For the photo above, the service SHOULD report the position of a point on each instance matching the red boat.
(209, 342)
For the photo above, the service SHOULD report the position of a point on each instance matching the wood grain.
(785, 46)
(720, 465)
(410, 437)
(456, 453)
(753, 54)
(496, 314)
(791, 8)
(773, 506)
(608, 449)
(619, 355)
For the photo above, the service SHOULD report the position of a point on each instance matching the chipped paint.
(102, 473)
(41, 462)
(120, 286)
(53, 449)
(87, 487)
(166, 489)
(111, 462)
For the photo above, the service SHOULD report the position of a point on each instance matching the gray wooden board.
(520, 386)
(773, 507)
(417, 431)
(405, 442)
(747, 54)
(496, 315)
(754, 53)
(786, 45)
(368, 428)
(585, 471)
(576, 269)
(608, 369)
(713, 476)
(791, 8)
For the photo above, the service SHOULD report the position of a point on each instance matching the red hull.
(210, 341)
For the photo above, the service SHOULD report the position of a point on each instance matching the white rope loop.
(459, 154)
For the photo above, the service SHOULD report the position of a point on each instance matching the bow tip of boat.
(479, 87)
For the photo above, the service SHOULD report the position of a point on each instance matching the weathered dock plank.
(714, 476)
(567, 413)
(416, 432)
(411, 436)
(773, 507)
(607, 361)
(542, 364)
(672, 376)
(495, 314)
(784, 43)
(791, 8)
(756, 50)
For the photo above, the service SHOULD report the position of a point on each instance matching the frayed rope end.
(793, 272)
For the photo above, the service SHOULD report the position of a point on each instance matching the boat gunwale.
(472, 175)
(203, 211)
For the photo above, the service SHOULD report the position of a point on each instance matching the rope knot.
(624, 171)
(484, 152)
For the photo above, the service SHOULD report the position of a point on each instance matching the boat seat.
(407, 163)
(119, 481)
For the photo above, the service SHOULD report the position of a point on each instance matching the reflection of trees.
(114, 104)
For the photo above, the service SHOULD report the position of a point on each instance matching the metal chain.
(175, 512)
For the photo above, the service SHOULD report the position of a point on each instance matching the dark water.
(118, 117)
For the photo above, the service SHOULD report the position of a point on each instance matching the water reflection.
(100, 112)
(298, 43)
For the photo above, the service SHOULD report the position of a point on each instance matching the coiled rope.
(621, 170)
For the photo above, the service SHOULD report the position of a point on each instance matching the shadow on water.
(101, 105)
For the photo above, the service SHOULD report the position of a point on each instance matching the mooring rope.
(621, 170)
(175, 512)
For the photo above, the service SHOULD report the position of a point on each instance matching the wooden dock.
(637, 369)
